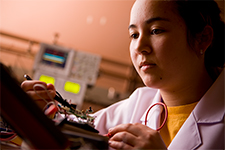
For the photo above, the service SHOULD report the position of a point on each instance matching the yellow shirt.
(176, 117)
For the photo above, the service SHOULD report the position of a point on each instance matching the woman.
(177, 49)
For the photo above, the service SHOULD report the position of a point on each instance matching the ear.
(205, 39)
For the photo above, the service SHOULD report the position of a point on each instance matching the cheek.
(132, 54)
(134, 57)
(174, 56)
(170, 49)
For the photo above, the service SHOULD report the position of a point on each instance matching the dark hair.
(198, 14)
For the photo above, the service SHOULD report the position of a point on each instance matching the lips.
(146, 65)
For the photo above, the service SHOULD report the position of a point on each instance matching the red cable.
(11, 136)
(166, 114)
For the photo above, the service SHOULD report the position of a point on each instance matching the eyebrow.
(150, 21)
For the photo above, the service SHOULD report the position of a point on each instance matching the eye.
(134, 36)
(156, 31)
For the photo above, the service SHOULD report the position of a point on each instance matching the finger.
(125, 137)
(131, 128)
(29, 84)
(41, 94)
(50, 87)
(119, 145)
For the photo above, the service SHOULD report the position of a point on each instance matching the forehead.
(145, 9)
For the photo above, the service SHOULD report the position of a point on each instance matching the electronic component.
(82, 117)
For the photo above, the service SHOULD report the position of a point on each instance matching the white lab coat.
(203, 129)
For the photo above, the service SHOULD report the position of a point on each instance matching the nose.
(143, 45)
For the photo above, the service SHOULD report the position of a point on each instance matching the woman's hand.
(135, 136)
(29, 85)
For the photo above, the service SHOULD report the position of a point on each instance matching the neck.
(191, 91)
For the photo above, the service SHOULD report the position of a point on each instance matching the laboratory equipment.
(69, 70)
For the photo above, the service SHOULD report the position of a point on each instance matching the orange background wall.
(98, 26)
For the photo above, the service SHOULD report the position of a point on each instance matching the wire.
(166, 114)
(64, 102)
(58, 94)
(7, 136)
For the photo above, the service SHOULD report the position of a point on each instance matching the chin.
(151, 82)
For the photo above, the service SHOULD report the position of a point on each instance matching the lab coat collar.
(154, 115)
(213, 102)
(210, 109)
(190, 131)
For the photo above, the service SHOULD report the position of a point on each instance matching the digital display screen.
(72, 87)
(54, 57)
(47, 79)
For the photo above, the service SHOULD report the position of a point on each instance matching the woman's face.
(159, 49)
